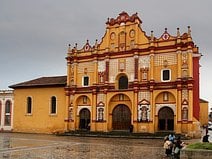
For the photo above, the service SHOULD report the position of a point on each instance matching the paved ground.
(36, 146)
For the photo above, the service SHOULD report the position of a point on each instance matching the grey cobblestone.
(36, 146)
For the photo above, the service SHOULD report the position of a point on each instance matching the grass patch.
(204, 146)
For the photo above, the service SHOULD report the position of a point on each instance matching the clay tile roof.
(42, 82)
(203, 101)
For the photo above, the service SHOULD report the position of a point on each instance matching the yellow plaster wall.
(158, 69)
(40, 121)
(171, 98)
(85, 69)
(139, 37)
(203, 114)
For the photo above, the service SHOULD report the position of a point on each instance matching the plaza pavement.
(37, 146)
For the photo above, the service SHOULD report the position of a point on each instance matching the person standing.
(178, 146)
(167, 146)
(172, 137)
(205, 138)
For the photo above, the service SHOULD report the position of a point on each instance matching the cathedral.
(129, 79)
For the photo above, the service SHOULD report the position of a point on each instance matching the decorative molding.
(144, 61)
(171, 59)
(159, 106)
(101, 66)
(123, 18)
(81, 66)
(79, 108)
(143, 96)
(100, 98)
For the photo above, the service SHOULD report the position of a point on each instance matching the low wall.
(195, 154)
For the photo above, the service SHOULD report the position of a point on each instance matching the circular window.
(87, 47)
(132, 33)
(165, 36)
(112, 36)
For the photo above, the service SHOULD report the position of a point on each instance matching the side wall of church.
(39, 119)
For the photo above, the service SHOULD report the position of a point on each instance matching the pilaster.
(190, 64)
(75, 73)
(136, 66)
(95, 78)
(190, 109)
(107, 71)
(179, 63)
(152, 66)
(93, 108)
(135, 109)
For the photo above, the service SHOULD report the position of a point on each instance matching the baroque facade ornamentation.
(128, 79)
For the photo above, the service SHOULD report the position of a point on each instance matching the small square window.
(85, 81)
(166, 75)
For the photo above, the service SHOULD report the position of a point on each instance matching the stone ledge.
(195, 154)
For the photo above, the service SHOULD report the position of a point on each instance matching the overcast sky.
(34, 34)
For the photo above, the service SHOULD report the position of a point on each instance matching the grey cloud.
(34, 34)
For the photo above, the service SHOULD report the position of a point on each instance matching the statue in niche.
(185, 113)
(144, 113)
(70, 113)
(144, 76)
(100, 114)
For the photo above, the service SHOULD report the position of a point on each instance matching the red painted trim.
(196, 105)
(184, 122)
(66, 120)
(133, 86)
(128, 53)
(167, 103)
(136, 68)
(107, 71)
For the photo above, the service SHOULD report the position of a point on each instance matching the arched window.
(122, 41)
(7, 120)
(123, 82)
(29, 105)
(53, 105)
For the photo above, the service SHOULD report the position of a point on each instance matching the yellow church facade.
(128, 80)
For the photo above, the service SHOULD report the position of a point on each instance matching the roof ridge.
(42, 81)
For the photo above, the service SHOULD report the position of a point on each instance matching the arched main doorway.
(166, 119)
(84, 118)
(121, 117)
